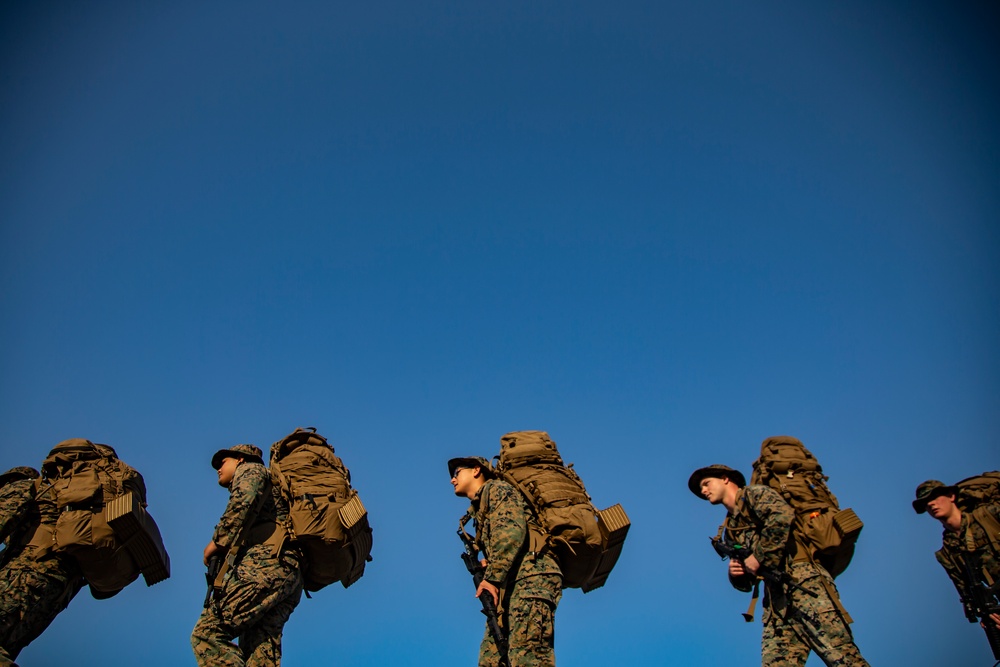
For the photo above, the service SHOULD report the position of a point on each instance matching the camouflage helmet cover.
(244, 452)
(470, 462)
(18, 473)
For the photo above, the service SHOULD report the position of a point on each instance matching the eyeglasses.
(457, 470)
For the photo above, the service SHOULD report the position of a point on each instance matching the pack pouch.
(586, 542)
(326, 517)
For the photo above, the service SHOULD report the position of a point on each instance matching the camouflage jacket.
(502, 533)
(252, 502)
(761, 522)
(971, 544)
(37, 521)
(17, 502)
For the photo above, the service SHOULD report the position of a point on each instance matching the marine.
(965, 539)
(35, 582)
(525, 585)
(262, 584)
(795, 621)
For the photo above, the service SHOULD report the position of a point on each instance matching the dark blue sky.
(660, 232)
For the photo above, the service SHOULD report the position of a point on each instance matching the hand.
(751, 564)
(736, 569)
(996, 620)
(211, 550)
(491, 589)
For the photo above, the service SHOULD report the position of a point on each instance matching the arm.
(776, 518)
(507, 532)
(490, 601)
(248, 484)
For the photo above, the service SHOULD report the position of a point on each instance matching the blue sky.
(661, 232)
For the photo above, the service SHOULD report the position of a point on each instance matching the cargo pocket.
(539, 624)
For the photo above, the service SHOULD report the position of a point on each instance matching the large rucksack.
(326, 518)
(102, 522)
(585, 541)
(974, 494)
(823, 532)
(978, 490)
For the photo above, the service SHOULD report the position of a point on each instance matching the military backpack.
(974, 494)
(326, 517)
(823, 532)
(102, 522)
(585, 541)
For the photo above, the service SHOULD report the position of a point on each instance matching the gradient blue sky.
(659, 231)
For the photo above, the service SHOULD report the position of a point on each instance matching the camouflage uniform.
(17, 495)
(261, 591)
(794, 622)
(971, 542)
(35, 584)
(530, 583)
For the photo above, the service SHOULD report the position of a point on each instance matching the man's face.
(940, 506)
(463, 481)
(227, 470)
(713, 488)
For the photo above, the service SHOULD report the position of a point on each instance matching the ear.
(477, 471)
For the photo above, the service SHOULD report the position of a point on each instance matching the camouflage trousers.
(255, 602)
(528, 619)
(32, 593)
(798, 623)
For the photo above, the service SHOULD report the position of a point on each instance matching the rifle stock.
(471, 560)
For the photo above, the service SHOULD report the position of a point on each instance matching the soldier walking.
(262, 582)
(795, 622)
(968, 541)
(523, 580)
(35, 582)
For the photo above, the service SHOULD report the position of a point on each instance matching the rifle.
(214, 565)
(980, 601)
(469, 556)
(777, 577)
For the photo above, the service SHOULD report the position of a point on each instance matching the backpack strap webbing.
(539, 539)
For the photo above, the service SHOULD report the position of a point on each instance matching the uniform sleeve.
(15, 500)
(507, 532)
(776, 517)
(248, 483)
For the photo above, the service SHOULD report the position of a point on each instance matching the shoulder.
(758, 493)
(499, 497)
(764, 499)
(251, 474)
(18, 488)
(497, 490)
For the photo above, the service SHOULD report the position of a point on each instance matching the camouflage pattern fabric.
(35, 585)
(16, 501)
(261, 591)
(18, 515)
(530, 583)
(794, 623)
(982, 557)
